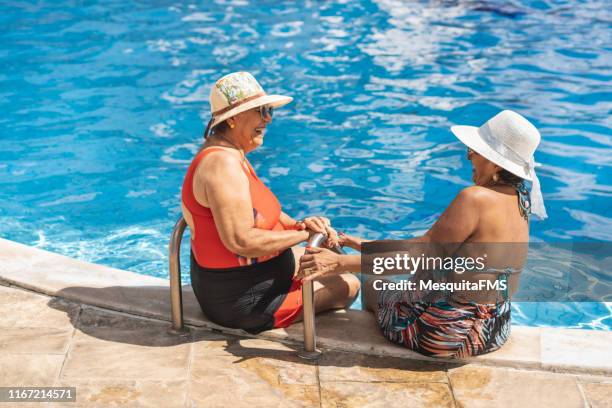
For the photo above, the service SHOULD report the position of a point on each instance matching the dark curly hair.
(505, 177)
(221, 127)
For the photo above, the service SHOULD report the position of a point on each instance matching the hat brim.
(470, 137)
(275, 101)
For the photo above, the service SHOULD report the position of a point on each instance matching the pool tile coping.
(551, 349)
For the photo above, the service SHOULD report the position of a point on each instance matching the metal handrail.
(310, 351)
(176, 291)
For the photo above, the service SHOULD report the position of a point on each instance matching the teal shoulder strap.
(524, 200)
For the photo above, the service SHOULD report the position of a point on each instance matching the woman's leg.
(331, 292)
(370, 295)
(335, 291)
(297, 254)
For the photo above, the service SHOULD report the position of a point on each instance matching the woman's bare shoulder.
(474, 195)
(220, 159)
(479, 195)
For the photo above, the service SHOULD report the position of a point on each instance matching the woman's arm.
(288, 222)
(460, 219)
(321, 261)
(456, 224)
(227, 191)
(351, 241)
(314, 223)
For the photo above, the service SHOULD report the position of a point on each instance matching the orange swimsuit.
(232, 289)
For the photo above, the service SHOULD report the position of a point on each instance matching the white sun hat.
(508, 140)
(238, 92)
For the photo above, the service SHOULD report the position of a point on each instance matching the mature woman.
(495, 209)
(242, 244)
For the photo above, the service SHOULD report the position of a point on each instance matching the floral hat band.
(230, 107)
(239, 92)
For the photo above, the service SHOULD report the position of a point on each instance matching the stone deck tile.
(349, 367)
(597, 390)
(114, 346)
(570, 349)
(598, 395)
(21, 308)
(35, 340)
(123, 360)
(239, 372)
(23, 370)
(355, 380)
(586, 378)
(220, 344)
(385, 395)
(523, 349)
(476, 386)
(35, 332)
(126, 393)
(34, 324)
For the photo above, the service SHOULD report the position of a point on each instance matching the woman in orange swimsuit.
(243, 259)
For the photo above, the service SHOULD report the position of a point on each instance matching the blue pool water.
(103, 106)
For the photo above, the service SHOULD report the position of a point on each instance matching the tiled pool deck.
(105, 331)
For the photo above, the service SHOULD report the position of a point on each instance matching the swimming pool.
(104, 104)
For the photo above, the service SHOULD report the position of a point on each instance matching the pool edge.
(550, 349)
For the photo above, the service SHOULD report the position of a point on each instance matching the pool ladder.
(309, 352)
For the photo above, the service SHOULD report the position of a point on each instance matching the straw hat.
(508, 140)
(238, 92)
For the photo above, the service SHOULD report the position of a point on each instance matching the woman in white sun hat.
(495, 209)
(243, 259)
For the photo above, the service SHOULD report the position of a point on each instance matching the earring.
(495, 178)
(231, 124)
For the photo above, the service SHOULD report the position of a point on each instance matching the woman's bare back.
(500, 218)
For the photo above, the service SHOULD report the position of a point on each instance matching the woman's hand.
(350, 241)
(332, 240)
(316, 224)
(322, 225)
(317, 262)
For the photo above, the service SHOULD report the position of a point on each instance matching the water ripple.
(103, 110)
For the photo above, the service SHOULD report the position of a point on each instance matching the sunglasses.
(264, 111)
